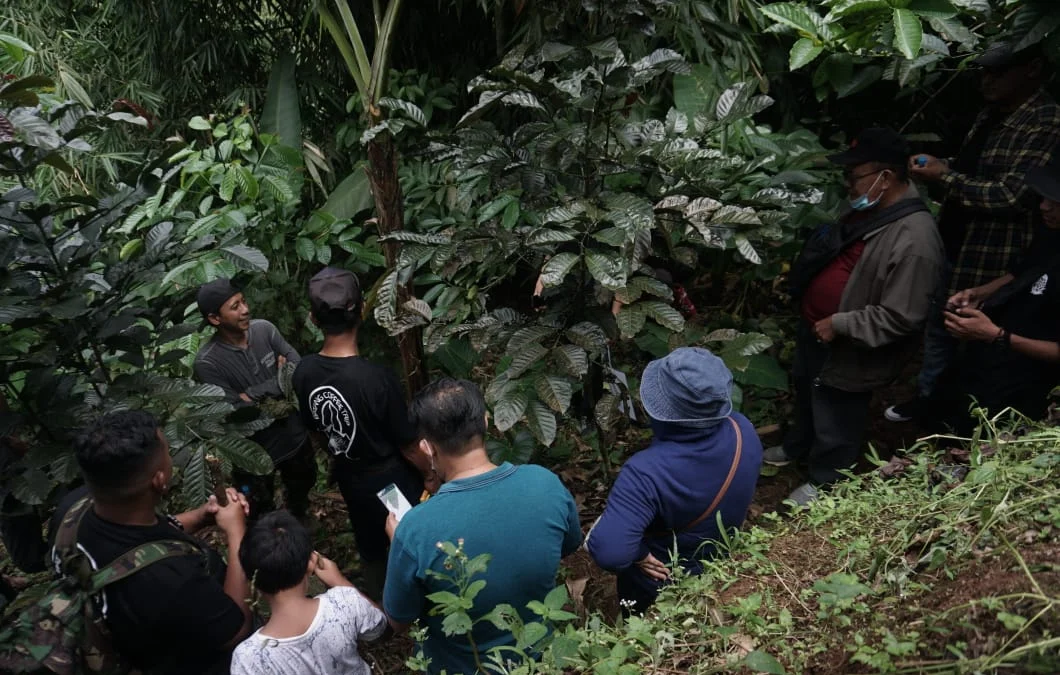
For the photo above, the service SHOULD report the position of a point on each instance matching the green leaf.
(608, 269)
(526, 336)
(557, 598)
(493, 208)
(936, 9)
(305, 248)
(573, 359)
(195, 487)
(542, 422)
(556, 269)
(411, 110)
(15, 48)
(792, 15)
(525, 359)
(693, 92)
(351, 196)
(665, 315)
(761, 662)
(746, 249)
(280, 114)
(908, 33)
(555, 391)
(244, 453)
(764, 372)
(532, 633)
(803, 52)
(74, 88)
(588, 336)
(457, 623)
(630, 319)
(228, 184)
(246, 258)
(518, 451)
(851, 7)
(509, 409)
(199, 123)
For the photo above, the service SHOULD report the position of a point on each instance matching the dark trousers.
(367, 513)
(298, 474)
(830, 424)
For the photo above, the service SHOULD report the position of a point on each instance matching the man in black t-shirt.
(1011, 326)
(183, 614)
(360, 407)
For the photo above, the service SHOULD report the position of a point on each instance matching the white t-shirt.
(328, 647)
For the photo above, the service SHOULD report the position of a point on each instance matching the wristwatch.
(1003, 339)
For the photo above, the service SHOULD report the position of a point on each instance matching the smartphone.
(394, 501)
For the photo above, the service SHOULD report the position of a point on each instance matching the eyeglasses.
(851, 177)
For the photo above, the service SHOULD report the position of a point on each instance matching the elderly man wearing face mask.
(864, 286)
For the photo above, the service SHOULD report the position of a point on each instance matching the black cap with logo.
(875, 144)
(213, 295)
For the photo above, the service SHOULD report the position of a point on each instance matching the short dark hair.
(449, 414)
(116, 449)
(275, 552)
(338, 322)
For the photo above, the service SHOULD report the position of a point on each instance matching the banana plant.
(370, 76)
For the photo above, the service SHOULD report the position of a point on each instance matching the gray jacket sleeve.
(209, 373)
(903, 307)
(271, 388)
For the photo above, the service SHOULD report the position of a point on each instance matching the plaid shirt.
(997, 197)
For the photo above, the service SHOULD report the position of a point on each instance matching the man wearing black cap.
(360, 407)
(244, 358)
(864, 285)
(1010, 327)
(988, 218)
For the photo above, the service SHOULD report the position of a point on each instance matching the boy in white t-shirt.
(304, 635)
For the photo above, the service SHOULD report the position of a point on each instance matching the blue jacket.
(667, 486)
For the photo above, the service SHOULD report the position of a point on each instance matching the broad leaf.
(908, 33)
(509, 409)
(665, 315)
(792, 15)
(246, 258)
(608, 269)
(573, 359)
(630, 319)
(542, 422)
(280, 114)
(554, 391)
(351, 196)
(557, 268)
(747, 250)
(803, 52)
(526, 358)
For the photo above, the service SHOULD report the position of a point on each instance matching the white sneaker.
(803, 495)
(775, 456)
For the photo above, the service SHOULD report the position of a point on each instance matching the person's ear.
(213, 319)
(425, 447)
(160, 481)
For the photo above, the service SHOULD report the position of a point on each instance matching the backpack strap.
(66, 536)
(141, 557)
(724, 486)
(896, 211)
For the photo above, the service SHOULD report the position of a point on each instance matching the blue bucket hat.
(689, 386)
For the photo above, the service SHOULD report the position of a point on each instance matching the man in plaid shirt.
(988, 216)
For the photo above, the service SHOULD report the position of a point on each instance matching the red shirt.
(822, 296)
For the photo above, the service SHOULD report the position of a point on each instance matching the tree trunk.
(390, 212)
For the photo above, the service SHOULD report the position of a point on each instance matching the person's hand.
(328, 571)
(281, 361)
(927, 167)
(232, 518)
(246, 398)
(391, 525)
(824, 330)
(971, 324)
(969, 297)
(653, 567)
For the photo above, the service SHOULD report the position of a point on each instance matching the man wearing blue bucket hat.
(703, 462)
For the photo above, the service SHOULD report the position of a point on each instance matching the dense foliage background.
(450, 152)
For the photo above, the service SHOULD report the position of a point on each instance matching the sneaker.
(803, 495)
(775, 456)
(907, 411)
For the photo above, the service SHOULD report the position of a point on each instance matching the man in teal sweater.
(522, 516)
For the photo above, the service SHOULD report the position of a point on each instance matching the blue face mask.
(863, 203)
